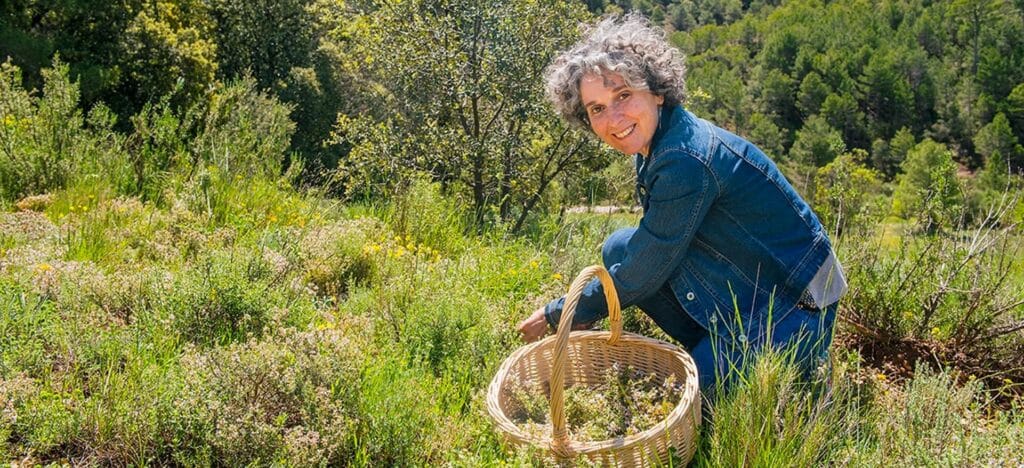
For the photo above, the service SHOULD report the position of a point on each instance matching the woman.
(727, 257)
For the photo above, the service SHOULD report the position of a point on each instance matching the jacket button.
(690, 296)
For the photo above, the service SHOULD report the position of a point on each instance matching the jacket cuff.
(553, 312)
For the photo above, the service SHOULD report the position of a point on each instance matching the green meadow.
(236, 235)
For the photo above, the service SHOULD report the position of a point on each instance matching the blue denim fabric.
(806, 334)
(723, 233)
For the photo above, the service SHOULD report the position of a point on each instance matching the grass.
(298, 333)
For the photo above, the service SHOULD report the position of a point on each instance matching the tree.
(1014, 109)
(843, 114)
(461, 93)
(817, 143)
(843, 192)
(928, 189)
(886, 94)
(887, 156)
(997, 138)
(168, 44)
(812, 94)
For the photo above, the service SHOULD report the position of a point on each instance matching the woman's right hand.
(534, 327)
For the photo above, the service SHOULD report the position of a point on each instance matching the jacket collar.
(666, 120)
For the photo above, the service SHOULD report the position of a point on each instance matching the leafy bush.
(39, 136)
(954, 294)
(220, 300)
(290, 398)
(336, 256)
(846, 193)
(928, 189)
(243, 132)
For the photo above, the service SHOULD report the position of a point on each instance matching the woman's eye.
(623, 96)
(596, 110)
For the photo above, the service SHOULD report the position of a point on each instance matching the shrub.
(928, 189)
(421, 213)
(216, 301)
(954, 295)
(38, 136)
(288, 398)
(243, 132)
(845, 192)
(334, 256)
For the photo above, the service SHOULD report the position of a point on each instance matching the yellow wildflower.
(534, 264)
(880, 376)
(556, 276)
(43, 267)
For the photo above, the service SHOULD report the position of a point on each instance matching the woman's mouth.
(625, 133)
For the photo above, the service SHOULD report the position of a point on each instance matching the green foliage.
(998, 137)
(167, 42)
(220, 301)
(290, 399)
(846, 193)
(939, 423)
(817, 143)
(774, 416)
(812, 94)
(952, 290)
(929, 190)
(244, 132)
(461, 98)
(888, 156)
(40, 137)
(334, 257)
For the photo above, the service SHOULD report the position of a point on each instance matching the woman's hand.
(534, 327)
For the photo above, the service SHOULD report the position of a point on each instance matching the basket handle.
(559, 435)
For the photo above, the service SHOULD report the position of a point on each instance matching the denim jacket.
(721, 226)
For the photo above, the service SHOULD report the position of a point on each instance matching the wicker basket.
(581, 358)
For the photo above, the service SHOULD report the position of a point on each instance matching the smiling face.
(621, 116)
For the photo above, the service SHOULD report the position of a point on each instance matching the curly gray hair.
(628, 46)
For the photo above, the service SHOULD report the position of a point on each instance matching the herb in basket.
(626, 401)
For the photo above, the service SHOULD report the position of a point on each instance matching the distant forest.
(452, 88)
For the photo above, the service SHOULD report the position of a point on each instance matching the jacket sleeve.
(682, 190)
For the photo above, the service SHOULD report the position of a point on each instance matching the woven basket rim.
(690, 397)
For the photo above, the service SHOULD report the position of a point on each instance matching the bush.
(290, 398)
(39, 137)
(336, 256)
(928, 190)
(243, 132)
(221, 300)
(846, 194)
(954, 295)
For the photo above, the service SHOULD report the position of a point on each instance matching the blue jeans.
(806, 334)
